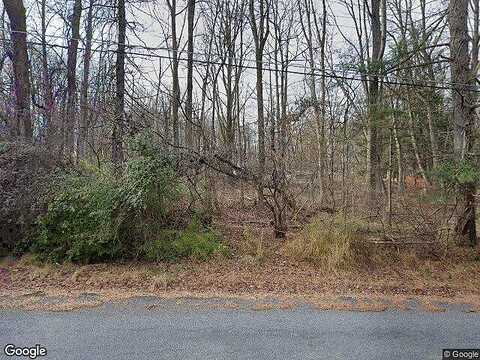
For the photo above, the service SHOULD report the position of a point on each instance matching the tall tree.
(313, 28)
(118, 124)
(260, 31)
(22, 125)
(378, 19)
(46, 81)
(87, 57)
(172, 6)
(463, 77)
(70, 117)
(189, 102)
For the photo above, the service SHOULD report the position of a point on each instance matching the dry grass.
(359, 305)
(285, 305)
(328, 256)
(72, 300)
(162, 281)
(276, 275)
(431, 306)
(333, 245)
(253, 249)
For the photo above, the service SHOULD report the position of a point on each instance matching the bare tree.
(378, 19)
(314, 32)
(190, 49)
(87, 57)
(259, 24)
(47, 83)
(172, 5)
(22, 125)
(463, 115)
(69, 120)
(118, 123)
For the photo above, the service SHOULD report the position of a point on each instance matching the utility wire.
(330, 75)
(327, 72)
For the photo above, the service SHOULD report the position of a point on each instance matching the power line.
(180, 52)
(445, 86)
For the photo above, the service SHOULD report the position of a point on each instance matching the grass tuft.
(334, 245)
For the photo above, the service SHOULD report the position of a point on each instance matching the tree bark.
(260, 33)
(69, 120)
(83, 126)
(22, 125)
(463, 115)
(189, 102)
(118, 124)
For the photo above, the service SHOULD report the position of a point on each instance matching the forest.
(256, 135)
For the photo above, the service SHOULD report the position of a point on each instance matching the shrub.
(253, 246)
(25, 172)
(96, 216)
(455, 175)
(333, 245)
(80, 223)
(193, 242)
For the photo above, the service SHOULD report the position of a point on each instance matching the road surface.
(149, 329)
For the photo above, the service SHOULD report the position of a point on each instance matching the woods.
(298, 110)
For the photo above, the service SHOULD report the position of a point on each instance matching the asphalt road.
(170, 331)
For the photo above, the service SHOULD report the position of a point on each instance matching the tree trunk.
(175, 83)
(22, 125)
(189, 102)
(118, 124)
(83, 126)
(378, 23)
(46, 82)
(260, 33)
(398, 146)
(69, 120)
(411, 131)
(433, 136)
(463, 115)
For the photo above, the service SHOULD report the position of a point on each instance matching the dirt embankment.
(25, 284)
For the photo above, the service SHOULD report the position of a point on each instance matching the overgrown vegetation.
(97, 215)
(194, 242)
(454, 175)
(25, 172)
(334, 244)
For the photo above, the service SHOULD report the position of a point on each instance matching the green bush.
(80, 224)
(97, 215)
(193, 242)
(455, 175)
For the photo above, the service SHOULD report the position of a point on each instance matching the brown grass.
(252, 249)
(360, 305)
(333, 244)
(329, 256)
(431, 306)
(286, 305)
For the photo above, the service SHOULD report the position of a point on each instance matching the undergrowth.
(336, 244)
(193, 242)
(98, 214)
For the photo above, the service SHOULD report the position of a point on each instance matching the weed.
(193, 242)
(333, 245)
(252, 246)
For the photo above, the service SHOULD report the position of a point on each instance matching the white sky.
(153, 36)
